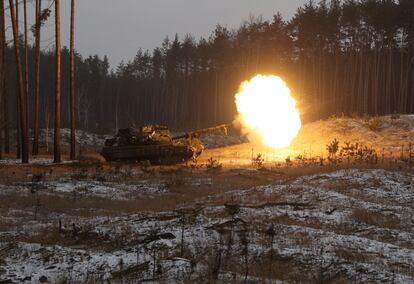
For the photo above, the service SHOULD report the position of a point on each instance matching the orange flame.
(267, 112)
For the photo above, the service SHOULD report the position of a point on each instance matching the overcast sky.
(118, 28)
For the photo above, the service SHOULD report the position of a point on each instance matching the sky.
(118, 28)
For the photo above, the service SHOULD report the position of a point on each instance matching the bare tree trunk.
(37, 84)
(26, 69)
(47, 128)
(23, 117)
(4, 87)
(6, 119)
(18, 129)
(116, 111)
(72, 84)
(2, 76)
(57, 154)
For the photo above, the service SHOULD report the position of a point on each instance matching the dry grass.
(375, 218)
(275, 267)
(351, 255)
(374, 123)
(94, 206)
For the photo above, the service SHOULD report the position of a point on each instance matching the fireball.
(267, 112)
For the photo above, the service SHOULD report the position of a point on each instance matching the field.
(240, 213)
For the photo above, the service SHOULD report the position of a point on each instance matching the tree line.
(338, 57)
(23, 89)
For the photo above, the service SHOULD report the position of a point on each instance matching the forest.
(339, 57)
(280, 150)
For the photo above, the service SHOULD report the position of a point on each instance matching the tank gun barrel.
(216, 129)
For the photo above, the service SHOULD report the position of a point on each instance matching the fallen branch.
(229, 223)
(157, 218)
(133, 269)
(274, 204)
(330, 211)
(152, 238)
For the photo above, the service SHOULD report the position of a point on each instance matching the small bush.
(258, 161)
(374, 124)
(333, 148)
(358, 152)
(288, 161)
(213, 164)
(194, 164)
(305, 161)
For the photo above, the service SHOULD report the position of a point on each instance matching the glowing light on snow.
(267, 112)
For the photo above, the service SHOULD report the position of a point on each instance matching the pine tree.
(26, 67)
(2, 77)
(72, 84)
(37, 77)
(22, 105)
(57, 153)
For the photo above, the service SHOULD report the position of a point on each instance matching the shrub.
(333, 148)
(258, 161)
(288, 161)
(359, 152)
(374, 123)
(213, 164)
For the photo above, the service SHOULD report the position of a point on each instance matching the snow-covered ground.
(345, 226)
(82, 189)
(32, 160)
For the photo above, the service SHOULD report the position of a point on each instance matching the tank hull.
(153, 153)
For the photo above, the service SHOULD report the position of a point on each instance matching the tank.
(155, 143)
